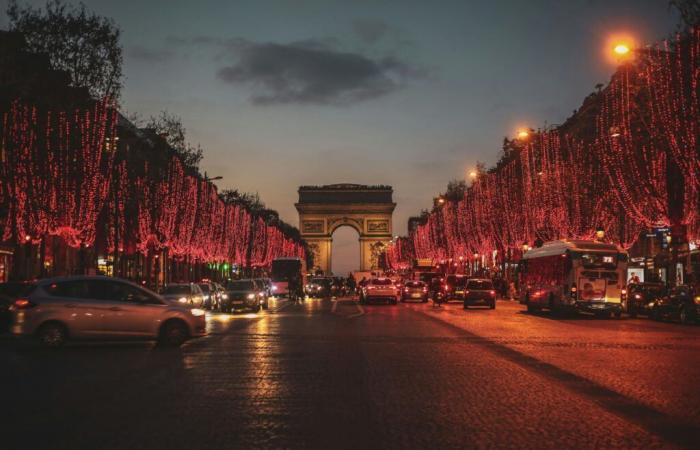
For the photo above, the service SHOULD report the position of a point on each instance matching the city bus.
(574, 275)
(283, 270)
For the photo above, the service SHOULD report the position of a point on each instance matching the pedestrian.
(511, 290)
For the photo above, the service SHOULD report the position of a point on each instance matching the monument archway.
(367, 209)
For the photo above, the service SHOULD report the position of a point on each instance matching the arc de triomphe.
(367, 209)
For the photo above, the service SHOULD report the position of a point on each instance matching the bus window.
(599, 260)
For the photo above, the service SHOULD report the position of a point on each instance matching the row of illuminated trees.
(90, 180)
(628, 160)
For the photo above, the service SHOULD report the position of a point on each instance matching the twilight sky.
(405, 93)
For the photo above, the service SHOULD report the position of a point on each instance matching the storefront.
(6, 254)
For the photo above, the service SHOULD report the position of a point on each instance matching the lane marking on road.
(673, 429)
(360, 309)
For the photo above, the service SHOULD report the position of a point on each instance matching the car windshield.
(241, 285)
(175, 289)
(456, 281)
(382, 282)
(415, 284)
(480, 285)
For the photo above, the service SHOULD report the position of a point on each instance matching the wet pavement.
(335, 374)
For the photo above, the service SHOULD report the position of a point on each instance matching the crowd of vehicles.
(577, 276)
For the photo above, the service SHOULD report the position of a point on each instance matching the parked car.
(453, 287)
(415, 290)
(680, 303)
(57, 309)
(208, 294)
(9, 292)
(187, 293)
(479, 291)
(642, 296)
(244, 294)
(380, 289)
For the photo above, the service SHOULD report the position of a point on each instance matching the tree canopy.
(78, 41)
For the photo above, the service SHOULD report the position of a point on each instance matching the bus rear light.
(493, 293)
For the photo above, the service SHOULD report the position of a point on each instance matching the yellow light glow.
(523, 134)
(622, 49)
(473, 174)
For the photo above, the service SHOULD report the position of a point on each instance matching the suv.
(57, 309)
(642, 296)
(244, 294)
(380, 289)
(479, 291)
(187, 293)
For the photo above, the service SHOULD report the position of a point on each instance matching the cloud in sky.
(312, 72)
(148, 54)
(370, 30)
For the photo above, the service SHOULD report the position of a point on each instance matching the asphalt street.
(336, 374)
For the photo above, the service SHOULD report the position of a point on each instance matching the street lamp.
(622, 49)
(523, 134)
(473, 174)
(526, 246)
(600, 234)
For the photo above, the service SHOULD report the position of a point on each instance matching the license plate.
(238, 302)
(416, 295)
(459, 292)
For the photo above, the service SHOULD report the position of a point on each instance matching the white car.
(55, 310)
(381, 289)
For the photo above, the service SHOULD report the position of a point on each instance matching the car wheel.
(265, 305)
(466, 306)
(632, 311)
(618, 314)
(174, 333)
(685, 316)
(493, 305)
(654, 314)
(52, 335)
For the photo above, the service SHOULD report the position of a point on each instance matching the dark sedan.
(681, 303)
(479, 292)
(415, 290)
(642, 296)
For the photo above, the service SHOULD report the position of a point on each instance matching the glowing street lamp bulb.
(522, 134)
(621, 49)
(473, 174)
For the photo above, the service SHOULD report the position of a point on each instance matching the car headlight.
(197, 312)
(182, 299)
(697, 299)
(274, 288)
(224, 296)
(261, 294)
(251, 296)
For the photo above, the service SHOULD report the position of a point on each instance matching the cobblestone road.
(339, 375)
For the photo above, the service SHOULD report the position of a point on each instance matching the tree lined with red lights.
(630, 161)
(60, 177)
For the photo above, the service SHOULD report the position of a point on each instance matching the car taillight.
(573, 291)
(493, 293)
(466, 292)
(425, 289)
(23, 303)
(405, 290)
(637, 296)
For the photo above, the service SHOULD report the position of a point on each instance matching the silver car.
(187, 293)
(57, 309)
